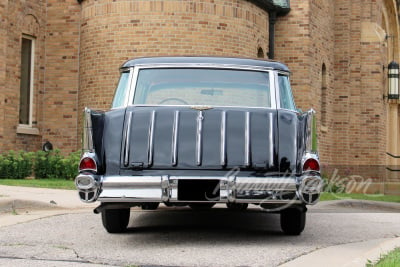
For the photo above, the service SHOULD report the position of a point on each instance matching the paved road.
(185, 238)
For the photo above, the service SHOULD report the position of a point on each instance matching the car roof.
(207, 60)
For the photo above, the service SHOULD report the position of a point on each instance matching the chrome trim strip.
(276, 93)
(190, 106)
(199, 140)
(175, 139)
(254, 183)
(150, 149)
(126, 139)
(273, 92)
(247, 148)
(165, 187)
(87, 140)
(203, 65)
(223, 138)
(310, 130)
(271, 138)
(155, 199)
(132, 86)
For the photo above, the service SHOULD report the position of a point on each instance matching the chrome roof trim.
(137, 68)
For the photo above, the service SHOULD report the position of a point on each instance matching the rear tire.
(293, 221)
(115, 220)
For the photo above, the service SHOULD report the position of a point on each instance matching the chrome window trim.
(194, 106)
(126, 101)
(278, 90)
(138, 68)
(132, 79)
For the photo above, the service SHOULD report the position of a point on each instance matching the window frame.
(137, 68)
(31, 82)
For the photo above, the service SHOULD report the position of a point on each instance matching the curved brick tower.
(112, 32)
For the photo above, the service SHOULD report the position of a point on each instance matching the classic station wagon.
(197, 131)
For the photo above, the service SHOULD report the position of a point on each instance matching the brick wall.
(360, 112)
(21, 17)
(3, 42)
(54, 25)
(60, 113)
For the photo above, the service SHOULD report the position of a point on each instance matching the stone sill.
(24, 129)
(393, 101)
(324, 129)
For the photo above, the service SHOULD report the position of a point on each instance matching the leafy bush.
(53, 165)
(19, 165)
(16, 165)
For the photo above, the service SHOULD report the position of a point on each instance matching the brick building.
(58, 56)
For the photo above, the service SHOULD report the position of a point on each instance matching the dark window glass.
(26, 81)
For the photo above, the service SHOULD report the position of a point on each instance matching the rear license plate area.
(198, 190)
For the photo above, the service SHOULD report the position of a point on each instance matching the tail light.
(311, 164)
(87, 164)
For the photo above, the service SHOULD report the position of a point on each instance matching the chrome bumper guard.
(232, 189)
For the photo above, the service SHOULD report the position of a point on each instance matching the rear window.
(191, 86)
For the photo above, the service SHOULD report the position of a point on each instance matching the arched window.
(324, 96)
(260, 53)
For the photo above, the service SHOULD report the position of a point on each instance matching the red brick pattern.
(60, 112)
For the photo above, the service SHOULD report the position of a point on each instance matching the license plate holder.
(199, 190)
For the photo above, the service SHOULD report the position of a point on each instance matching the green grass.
(42, 183)
(374, 197)
(392, 259)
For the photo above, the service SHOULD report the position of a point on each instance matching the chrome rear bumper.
(232, 189)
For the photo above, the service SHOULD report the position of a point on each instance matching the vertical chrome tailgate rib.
(150, 149)
(199, 140)
(247, 150)
(127, 139)
(271, 138)
(174, 147)
(223, 138)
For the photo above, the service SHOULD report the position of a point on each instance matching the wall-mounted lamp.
(47, 147)
(393, 76)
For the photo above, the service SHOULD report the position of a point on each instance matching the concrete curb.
(355, 205)
(347, 255)
(23, 204)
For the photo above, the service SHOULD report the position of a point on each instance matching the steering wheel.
(174, 99)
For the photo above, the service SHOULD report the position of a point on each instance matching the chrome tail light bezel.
(91, 156)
